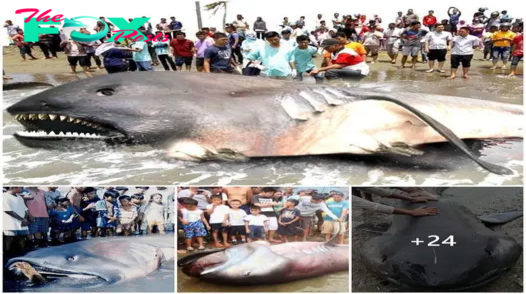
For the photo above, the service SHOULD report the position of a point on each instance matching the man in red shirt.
(22, 45)
(182, 50)
(517, 54)
(430, 20)
(345, 62)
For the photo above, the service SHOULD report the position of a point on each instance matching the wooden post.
(198, 11)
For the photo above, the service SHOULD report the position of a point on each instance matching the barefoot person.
(517, 53)
(22, 45)
(436, 46)
(462, 50)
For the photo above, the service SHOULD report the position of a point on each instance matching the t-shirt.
(256, 220)
(219, 57)
(191, 215)
(126, 216)
(249, 46)
(518, 42)
(454, 18)
(288, 215)
(308, 208)
(232, 40)
(161, 48)
(438, 40)
(165, 26)
(500, 35)
(351, 60)
(19, 40)
(357, 47)
(391, 33)
(236, 217)
(409, 18)
(218, 216)
(372, 38)
(12, 29)
(155, 211)
(429, 20)
(303, 58)
(413, 38)
(492, 22)
(51, 197)
(182, 48)
(240, 25)
(268, 211)
(476, 29)
(276, 60)
(464, 45)
(37, 206)
(202, 45)
(336, 208)
(290, 42)
(15, 204)
(142, 55)
(61, 215)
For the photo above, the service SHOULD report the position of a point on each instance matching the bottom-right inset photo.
(437, 239)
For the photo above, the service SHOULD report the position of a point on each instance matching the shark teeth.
(56, 117)
(74, 135)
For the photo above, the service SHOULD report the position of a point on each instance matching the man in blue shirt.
(340, 208)
(303, 58)
(277, 58)
(218, 57)
(175, 26)
(141, 56)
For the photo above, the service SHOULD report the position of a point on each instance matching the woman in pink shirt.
(39, 225)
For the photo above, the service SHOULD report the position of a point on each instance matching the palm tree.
(215, 6)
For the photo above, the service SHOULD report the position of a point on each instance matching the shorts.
(125, 227)
(81, 60)
(437, 54)
(515, 60)
(194, 229)
(372, 49)
(410, 50)
(241, 230)
(199, 61)
(392, 48)
(144, 65)
(218, 227)
(155, 222)
(39, 225)
(454, 28)
(290, 230)
(179, 61)
(306, 222)
(13, 233)
(256, 232)
(24, 50)
(332, 227)
(86, 225)
(272, 223)
(502, 52)
(465, 60)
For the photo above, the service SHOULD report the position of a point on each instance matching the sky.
(272, 11)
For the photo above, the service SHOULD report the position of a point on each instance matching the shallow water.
(440, 165)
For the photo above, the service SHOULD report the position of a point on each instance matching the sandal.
(201, 248)
(190, 248)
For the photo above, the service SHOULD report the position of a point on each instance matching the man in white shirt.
(462, 50)
(337, 22)
(437, 43)
(15, 221)
(392, 36)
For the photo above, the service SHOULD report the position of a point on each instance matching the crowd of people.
(235, 215)
(34, 217)
(289, 51)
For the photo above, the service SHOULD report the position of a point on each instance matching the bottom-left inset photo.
(96, 239)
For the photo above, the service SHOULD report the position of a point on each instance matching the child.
(139, 205)
(517, 53)
(62, 217)
(126, 215)
(236, 221)
(218, 219)
(303, 58)
(256, 224)
(339, 208)
(194, 223)
(289, 220)
(155, 214)
(106, 219)
(87, 211)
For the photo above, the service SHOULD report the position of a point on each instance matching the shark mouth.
(53, 273)
(44, 126)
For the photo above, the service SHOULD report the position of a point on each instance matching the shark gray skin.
(479, 256)
(220, 117)
(104, 260)
(259, 263)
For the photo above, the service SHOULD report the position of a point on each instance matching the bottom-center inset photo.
(263, 239)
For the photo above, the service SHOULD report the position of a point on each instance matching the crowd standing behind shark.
(287, 52)
(35, 218)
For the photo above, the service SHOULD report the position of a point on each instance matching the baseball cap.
(329, 42)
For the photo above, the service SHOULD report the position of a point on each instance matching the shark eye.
(71, 258)
(105, 92)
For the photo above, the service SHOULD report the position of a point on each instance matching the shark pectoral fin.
(446, 133)
(225, 154)
(500, 218)
(400, 148)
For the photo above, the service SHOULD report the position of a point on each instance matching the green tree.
(215, 7)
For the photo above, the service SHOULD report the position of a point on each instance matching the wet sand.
(480, 201)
